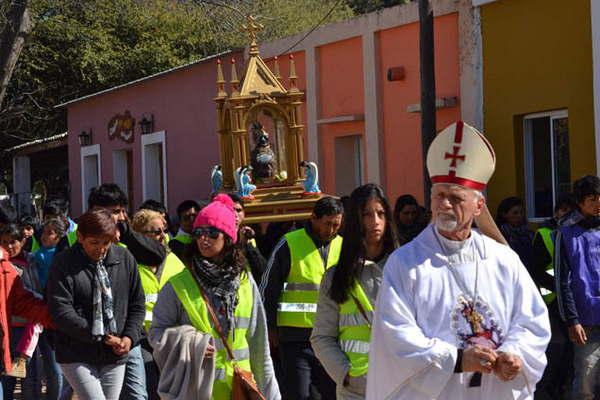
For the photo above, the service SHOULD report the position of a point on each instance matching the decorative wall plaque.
(121, 127)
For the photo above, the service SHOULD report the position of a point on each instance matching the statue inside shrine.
(262, 157)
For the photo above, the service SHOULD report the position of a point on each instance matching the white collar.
(453, 246)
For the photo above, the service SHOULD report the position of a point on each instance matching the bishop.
(458, 316)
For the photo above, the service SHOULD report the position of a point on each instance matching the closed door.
(348, 165)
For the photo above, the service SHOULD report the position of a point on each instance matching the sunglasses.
(158, 231)
(210, 232)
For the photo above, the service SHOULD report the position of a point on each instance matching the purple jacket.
(579, 273)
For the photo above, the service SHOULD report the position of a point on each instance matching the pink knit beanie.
(219, 214)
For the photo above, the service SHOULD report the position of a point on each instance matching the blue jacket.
(577, 268)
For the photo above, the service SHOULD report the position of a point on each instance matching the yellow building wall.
(537, 56)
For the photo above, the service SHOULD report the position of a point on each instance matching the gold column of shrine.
(260, 89)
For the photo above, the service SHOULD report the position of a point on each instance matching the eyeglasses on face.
(210, 232)
(158, 231)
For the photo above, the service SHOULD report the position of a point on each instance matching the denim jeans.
(67, 390)
(134, 385)
(9, 382)
(43, 359)
(95, 382)
(587, 366)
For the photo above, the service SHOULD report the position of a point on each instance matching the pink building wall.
(183, 107)
(402, 130)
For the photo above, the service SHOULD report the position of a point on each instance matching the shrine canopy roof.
(258, 78)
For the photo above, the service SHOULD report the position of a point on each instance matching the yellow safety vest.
(35, 245)
(298, 300)
(355, 331)
(152, 285)
(185, 239)
(546, 234)
(191, 298)
(72, 237)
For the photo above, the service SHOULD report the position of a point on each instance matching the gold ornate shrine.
(260, 125)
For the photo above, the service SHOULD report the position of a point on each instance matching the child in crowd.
(28, 225)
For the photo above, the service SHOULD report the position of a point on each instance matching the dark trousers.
(556, 381)
(304, 376)
(152, 372)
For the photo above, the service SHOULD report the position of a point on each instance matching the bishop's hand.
(478, 359)
(508, 366)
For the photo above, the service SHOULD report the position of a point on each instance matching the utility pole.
(427, 61)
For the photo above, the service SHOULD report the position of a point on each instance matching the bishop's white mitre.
(461, 155)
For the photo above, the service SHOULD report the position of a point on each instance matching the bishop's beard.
(446, 222)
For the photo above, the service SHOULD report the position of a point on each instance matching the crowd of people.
(361, 301)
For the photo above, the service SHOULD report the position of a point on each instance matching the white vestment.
(420, 320)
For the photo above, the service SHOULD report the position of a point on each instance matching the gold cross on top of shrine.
(252, 28)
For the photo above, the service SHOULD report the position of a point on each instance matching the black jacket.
(271, 285)
(70, 301)
(257, 262)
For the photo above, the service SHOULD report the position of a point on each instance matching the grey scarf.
(104, 321)
(220, 284)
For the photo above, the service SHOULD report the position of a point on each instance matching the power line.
(325, 17)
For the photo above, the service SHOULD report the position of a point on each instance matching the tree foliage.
(79, 47)
(367, 6)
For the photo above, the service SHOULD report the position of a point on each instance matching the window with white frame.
(154, 167)
(91, 172)
(547, 163)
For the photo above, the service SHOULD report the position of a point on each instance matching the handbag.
(243, 385)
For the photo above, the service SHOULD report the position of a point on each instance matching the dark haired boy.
(577, 268)
(186, 213)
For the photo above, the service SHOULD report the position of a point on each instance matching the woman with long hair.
(215, 293)
(96, 301)
(341, 333)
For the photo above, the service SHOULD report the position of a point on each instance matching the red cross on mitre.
(454, 156)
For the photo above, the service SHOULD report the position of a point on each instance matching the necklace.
(475, 318)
